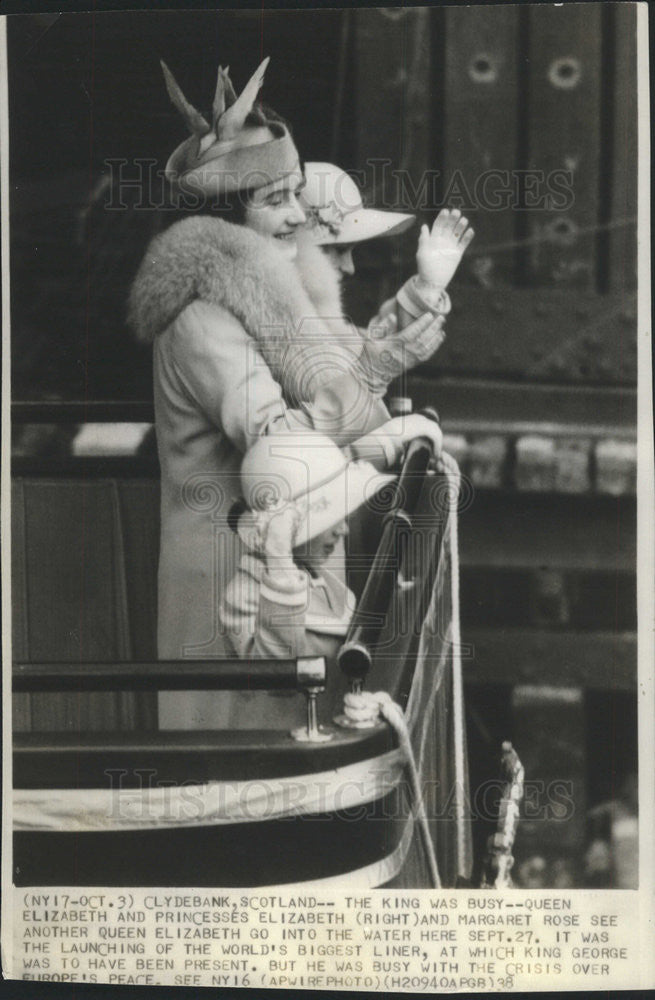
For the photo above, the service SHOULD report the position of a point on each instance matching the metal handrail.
(80, 411)
(175, 675)
(355, 657)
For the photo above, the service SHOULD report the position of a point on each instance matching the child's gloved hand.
(440, 249)
(389, 352)
(278, 530)
(271, 533)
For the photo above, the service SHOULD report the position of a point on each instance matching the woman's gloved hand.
(388, 352)
(414, 425)
(384, 445)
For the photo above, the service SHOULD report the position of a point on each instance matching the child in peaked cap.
(299, 490)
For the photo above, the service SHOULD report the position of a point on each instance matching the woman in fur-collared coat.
(220, 361)
(247, 340)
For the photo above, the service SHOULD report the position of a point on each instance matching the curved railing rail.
(389, 567)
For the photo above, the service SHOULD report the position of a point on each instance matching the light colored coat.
(236, 336)
(269, 615)
(266, 615)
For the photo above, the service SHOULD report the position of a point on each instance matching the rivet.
(561, 232)
(565, 73)
(483, 68)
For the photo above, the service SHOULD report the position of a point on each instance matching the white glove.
(278, 529)
(383, 446)
(389, 352)
(271, 532)
(440, 249)
(413, 425)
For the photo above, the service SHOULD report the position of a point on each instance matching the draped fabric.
(433, 715)
(212, 803)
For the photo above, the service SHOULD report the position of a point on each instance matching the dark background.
(542, 338)
(460, 91)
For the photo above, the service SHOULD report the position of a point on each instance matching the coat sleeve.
(222, 369)
(416, 298)
(413, 300)
(265, 618)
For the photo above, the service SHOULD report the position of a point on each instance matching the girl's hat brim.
(323, 508)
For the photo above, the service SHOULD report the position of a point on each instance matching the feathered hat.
(233, 153)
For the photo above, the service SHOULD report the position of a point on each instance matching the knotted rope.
(365, 709)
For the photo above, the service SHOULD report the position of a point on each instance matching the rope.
(363, 710)
(459, 736)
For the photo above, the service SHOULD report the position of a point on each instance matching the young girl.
(283, 601)
(337, 221)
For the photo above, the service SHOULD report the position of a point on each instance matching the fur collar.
(290, 309)
(319, 278)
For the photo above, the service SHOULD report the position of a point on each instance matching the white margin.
(6, 922)
(645, 525)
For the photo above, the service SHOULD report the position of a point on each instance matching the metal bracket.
(312, 732)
